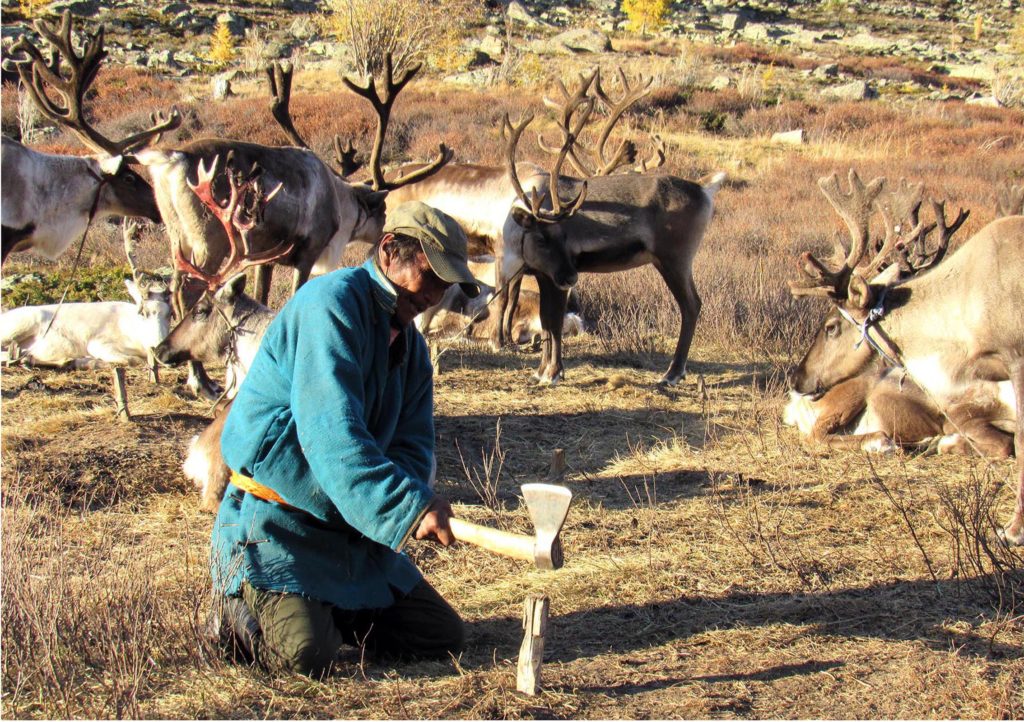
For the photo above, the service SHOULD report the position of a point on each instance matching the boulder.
(220, 87)
(175, 8)
(732, 21)
(579, 40)
(236, 23)
(78, 8)
(828, 70)
(855, 90)
(720, 82)
(518, 12)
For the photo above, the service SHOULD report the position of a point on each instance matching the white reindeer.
(89, 335)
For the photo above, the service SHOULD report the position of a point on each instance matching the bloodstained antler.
(239, 214)
(37, 74)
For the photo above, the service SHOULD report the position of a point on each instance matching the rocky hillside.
(173, 36)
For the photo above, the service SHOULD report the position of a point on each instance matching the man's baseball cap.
(442, 239)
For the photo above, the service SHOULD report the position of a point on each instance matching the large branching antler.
(382, 103)
(240, 213)
(575, 112)
(279, 76)
(855, 208)
(38, 75)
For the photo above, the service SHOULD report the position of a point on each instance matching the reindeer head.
(58, 87)
(534, 236)
(869, 270)
(150, 292)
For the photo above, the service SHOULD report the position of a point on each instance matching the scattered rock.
(175, 8)
(720, 82)
(517, 11)
(220, 87)
(78, 8)
(162, 59)
(985, 101)
(732, 21)
(855, 90)
(236, 23)
(579, 40)
(828, 70)
(791, 137)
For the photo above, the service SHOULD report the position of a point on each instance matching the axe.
(548, 505)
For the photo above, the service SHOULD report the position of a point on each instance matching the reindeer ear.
(111, 165)
(233, 288)
(523, 218)
(373, 201)
(860, 294)
(133, 291)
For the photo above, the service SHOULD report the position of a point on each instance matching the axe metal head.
(549, 506)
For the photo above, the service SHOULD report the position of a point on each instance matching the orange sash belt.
(251, 486)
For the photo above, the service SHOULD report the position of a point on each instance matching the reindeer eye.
(832, 328)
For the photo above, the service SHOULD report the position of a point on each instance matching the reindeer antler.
(855, 208)
(382, 103)
(37, 74)
(239, 214)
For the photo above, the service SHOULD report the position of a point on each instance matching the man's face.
(418, 286)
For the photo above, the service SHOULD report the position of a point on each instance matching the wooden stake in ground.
(557, 469)
(531, 654)
(120, 394)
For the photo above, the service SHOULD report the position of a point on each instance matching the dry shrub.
(121, 90)
(747, 53)
(629, 312)
(86, 626)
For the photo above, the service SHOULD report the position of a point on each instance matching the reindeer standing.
(955, 327)
(615, 223)
(49, 200)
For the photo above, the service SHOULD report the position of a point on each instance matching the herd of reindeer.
(918, 349)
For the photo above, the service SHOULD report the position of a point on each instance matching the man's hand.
(434, 524)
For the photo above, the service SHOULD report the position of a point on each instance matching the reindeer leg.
(509, 314)
(1013, 533)
(300, 277)
(263, 276)
(679, 279)
(552, 311)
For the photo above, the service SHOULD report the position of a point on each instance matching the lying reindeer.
(89, 335)
(456, 311)
(954, 324)
(880, 410)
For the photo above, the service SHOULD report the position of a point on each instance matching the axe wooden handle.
(517, 546)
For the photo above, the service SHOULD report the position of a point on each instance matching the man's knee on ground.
(307, 657)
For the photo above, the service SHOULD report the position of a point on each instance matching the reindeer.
(954, 327)
(457, 313)
(50, 200)
(480, 197)
(1009, 200)
(92, 335)
(626, 221)
(224, 324)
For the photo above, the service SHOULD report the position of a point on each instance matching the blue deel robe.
(340, 424)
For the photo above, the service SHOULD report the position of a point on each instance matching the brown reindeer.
(955, 327)
(626, 221)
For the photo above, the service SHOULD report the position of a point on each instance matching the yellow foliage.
(222, 45)
(645, 15)
(31, 8)
(409, 31)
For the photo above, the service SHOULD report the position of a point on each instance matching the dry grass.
(716, 567)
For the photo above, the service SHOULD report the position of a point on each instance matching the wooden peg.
(557, 465)
(120, 394)
(435, 357)
(531, 653)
